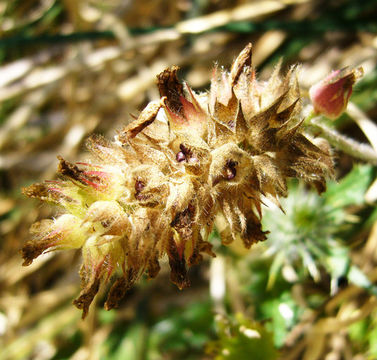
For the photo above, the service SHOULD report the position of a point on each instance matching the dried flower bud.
(187, 162)
(330, 96)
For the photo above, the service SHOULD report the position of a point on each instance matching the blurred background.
(69, 68)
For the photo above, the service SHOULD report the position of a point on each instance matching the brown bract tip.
(170, 87)
(120, 287)
(243, 60)
(116, 293)
(69, 170)
(146, 117)
(87, 295)
(38, 191)
(32, 249)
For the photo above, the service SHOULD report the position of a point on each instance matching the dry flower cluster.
(188, 162)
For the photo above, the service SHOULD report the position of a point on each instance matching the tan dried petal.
(47, 192)
(87, 295)
(119, 288)
(147, 116)
(177, 262)
(243, 60)
(253, 232)
(170, 87)
(32, 249)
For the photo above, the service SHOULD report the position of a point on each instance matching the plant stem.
(344, 143)
(367, 126)
(218, 283)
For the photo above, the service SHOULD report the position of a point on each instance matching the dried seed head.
(186, 162)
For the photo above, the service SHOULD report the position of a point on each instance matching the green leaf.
(358, 331)
(338, 264)
(372, 339)
(129, 346)
(351, 189)
(183, 332)
(282, 314)
(242, 339)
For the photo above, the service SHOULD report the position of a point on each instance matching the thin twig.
(369, 128)
(217, 284)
